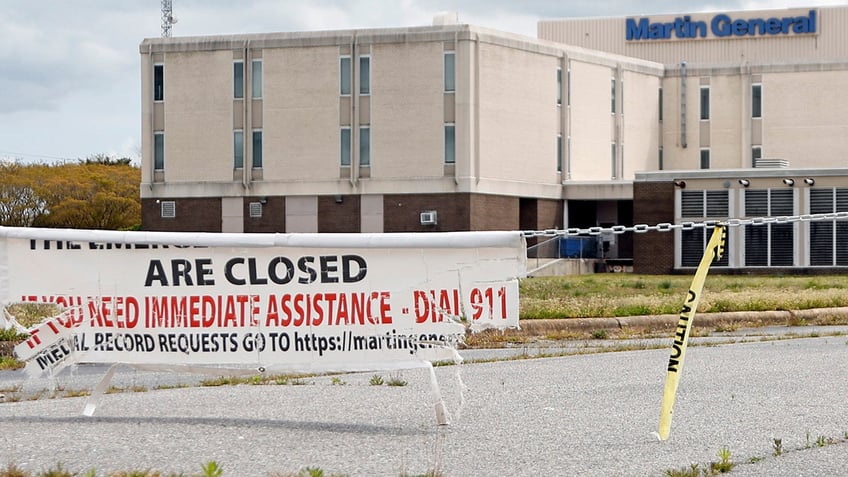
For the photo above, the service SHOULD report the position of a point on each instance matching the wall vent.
(168, 209)
(429, 217)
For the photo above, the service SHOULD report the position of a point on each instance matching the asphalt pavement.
(582, 414)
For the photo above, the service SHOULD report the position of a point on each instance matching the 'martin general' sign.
(720, 26)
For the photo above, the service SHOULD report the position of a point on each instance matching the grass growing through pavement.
(721, 466)
(209, 469)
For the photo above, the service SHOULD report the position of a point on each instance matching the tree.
(20, 205)
(97, 193)
(91, 195)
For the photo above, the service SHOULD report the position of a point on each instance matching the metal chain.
(666, 227)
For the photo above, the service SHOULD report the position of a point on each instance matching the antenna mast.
(168, 18)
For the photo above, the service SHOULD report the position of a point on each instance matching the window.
(238, 149)
(756, 155)
(344, 146)
(756, 100)
(660, 102)
(238, 79)
(660, 158)
(450, 144)
(612, 95)
(771, 244)
(697, 206)
(559, 153)
(168, 209)
(828, 238)
(159, 151)
(568, 156)
(364, 146)
(450, 71)
(344, 75)
(705, 158)
(257, 149)
(705, 102)
(256, 79)
(364, 75)
(559, 87)
(612, 161)
(158, 82)
(568, 87)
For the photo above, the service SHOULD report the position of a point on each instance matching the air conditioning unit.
(429, 217)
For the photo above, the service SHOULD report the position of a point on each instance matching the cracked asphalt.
(581, 413)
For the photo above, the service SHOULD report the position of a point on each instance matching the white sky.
(69, 70)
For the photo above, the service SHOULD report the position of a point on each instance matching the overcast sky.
(69, 70)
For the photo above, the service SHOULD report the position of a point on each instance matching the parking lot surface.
(585, 414)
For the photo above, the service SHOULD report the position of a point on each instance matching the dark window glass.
(257, 149)
(159, 152)
(238, 80)
(158, 82)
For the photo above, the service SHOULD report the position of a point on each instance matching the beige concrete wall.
(407, 110)
(728, 121)
(146, 119)
(518, 115)
(640, 123)
(805, 118)
(676, 155)
(591, 121)
(232, 214)
(300, 131)
(302, 214)
(198, 116)
(371, 210)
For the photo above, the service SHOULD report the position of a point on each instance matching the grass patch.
(587, 296)
(7, 363)
(30, 314)
(258, 379)
(11, 334)
(396, 380)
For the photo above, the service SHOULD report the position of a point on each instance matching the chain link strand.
(667, 227)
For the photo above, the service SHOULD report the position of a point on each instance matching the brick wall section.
(494, 212)
(401, 212)
(339, 217)
(548, 214)
(653, 203)
(192, 215)
(273, 218)
(539, 214)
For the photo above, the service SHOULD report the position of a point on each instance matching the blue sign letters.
(721, 26)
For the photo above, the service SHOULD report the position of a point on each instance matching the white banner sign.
(292, 302)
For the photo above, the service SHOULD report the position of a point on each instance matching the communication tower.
(168, 18)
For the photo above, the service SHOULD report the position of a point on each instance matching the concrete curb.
(701, 320)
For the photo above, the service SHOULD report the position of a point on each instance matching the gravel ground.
(588, 414)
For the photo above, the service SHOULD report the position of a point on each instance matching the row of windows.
(238, 149)
(255, 79)
(449, 86)
(769, 244)
(756, 102)
(345, 74)
(365, 145)
(345, 147)
(344, 77)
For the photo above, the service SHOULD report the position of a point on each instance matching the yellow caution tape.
(714, 251)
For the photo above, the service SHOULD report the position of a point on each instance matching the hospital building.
(667, 118)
